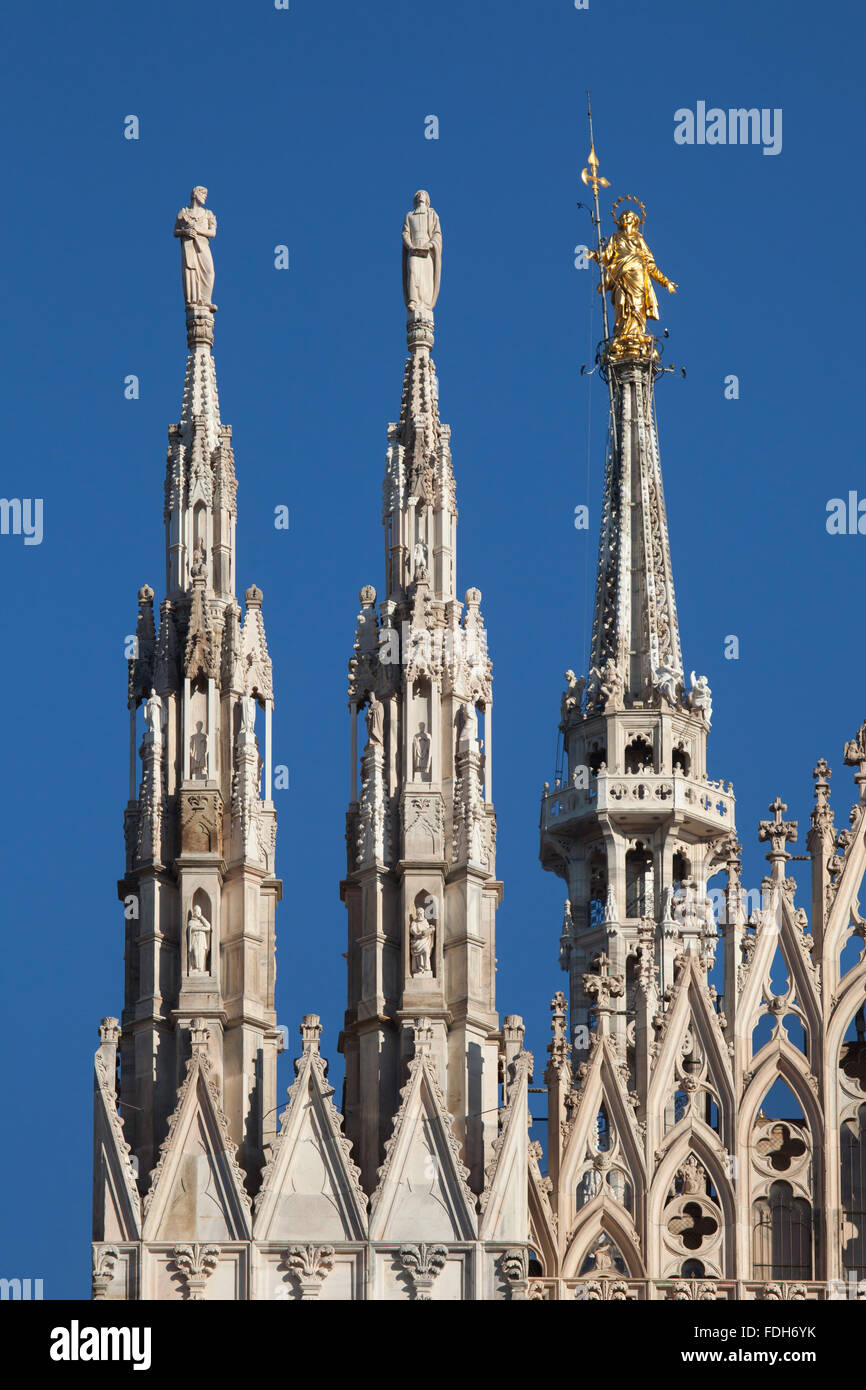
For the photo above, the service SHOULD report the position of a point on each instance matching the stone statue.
(422, 256)
(198, 752)
(375, 718)
(628, 269)
(469, 727)
(421, 752)
(199, 930)
(667, 683)
(421, 937)
(248, 714)
(611, 685)
(419, 560)
(153, 715)
(700, 698)
(572, 696)
(195, 226)
(198, 568)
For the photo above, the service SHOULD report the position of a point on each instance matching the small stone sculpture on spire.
(422, 257)
(196, 225)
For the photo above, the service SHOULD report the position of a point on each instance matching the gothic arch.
(692, 1136)
(602, 1088)
(603, 1215)
(844, 1010)
(780, 1060)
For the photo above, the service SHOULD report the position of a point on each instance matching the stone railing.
(619, 1288)
(610, 793)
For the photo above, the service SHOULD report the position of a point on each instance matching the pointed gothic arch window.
(852, 1153)
(595, 757)
(638, 882)
(682, 870)
(597, 888)
(852, 1144)
(781, 1235)
(639, 755)
(783, 1224)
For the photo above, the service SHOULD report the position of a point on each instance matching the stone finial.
(367, 596)
(145, 595)
(253, 596)
(558, 1047)
(109, 1032)
(473, 598)
(777, 831)
(311, 1032)
(602, 987)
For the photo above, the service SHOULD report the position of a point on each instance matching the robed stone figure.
(195, 226)
(422, 256)
(199, 941)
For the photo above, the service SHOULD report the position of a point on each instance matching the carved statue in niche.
(196, 226)
(198, 747)
(198, 566)
(199, 929)
(375, 718)
(248, 714)
(153, 715)
(421, 753)
(469, 726)
(419, 560)
(421, 937)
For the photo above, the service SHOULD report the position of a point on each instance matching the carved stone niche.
(423, 826)
(201, 815)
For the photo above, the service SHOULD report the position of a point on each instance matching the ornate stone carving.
(309, 1266)
(422, 1264)
(201, 821)
(196, 1264)
(105, 1258)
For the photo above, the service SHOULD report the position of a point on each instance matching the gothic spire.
(421, 829)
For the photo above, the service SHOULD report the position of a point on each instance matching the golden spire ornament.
(627, 268)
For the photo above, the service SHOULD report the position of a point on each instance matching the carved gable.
(422, 1183)
(197, 1191)
(311, 1188)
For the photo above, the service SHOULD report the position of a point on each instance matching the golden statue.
(628, 270)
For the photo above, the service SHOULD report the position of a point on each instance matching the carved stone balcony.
(638, 798)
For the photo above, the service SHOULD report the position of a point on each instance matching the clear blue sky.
(308, 128)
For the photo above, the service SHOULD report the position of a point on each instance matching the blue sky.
(307, 126)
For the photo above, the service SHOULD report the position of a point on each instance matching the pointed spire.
(418, 472)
